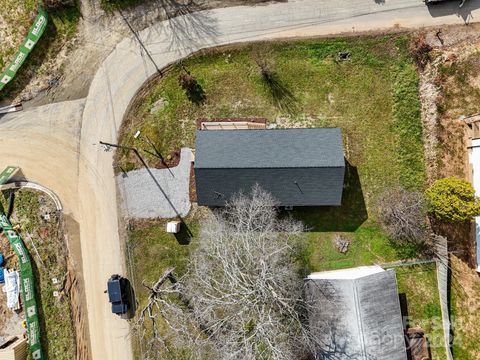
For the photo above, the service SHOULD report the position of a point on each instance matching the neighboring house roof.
(299, 167)
(355, 314)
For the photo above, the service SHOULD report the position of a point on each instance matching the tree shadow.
(192, 88)
(191, 26)
(408, 249)
(330, 335)
(282, 97)
(196, 95)
(345, 218)
(140, 42)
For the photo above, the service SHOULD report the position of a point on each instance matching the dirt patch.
(453, 139)
(429, 93)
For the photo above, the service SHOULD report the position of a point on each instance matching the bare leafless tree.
(403, 215)
(242, 297)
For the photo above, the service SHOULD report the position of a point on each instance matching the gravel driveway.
(153, 193)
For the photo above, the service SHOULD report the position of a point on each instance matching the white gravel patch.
(153, 193)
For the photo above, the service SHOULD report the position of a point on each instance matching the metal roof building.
(299, 167)
(355, 314)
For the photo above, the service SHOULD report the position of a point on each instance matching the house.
(299, 167)
(355, 314)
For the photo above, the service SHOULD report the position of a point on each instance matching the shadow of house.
(282, 97)
(345, 218)
(404, 308)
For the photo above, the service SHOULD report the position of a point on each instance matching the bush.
(420, 50)
(192, 88)
(452, 199)
(403, 215)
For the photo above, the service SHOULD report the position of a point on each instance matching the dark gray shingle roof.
(299, 167)
(357, 318)
(282, 148)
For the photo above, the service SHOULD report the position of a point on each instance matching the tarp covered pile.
(12, 288)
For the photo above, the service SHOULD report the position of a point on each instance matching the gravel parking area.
(153, 193)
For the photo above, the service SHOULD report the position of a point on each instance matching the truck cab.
(117, 295)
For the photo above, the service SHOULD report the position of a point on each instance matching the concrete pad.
(157, 193)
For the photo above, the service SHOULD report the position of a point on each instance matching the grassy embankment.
(17, 17)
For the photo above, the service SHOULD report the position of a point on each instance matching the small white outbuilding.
(173, 227)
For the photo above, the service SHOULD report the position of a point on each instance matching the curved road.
(52, 150)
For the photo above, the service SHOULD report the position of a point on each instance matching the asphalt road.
(76, 167)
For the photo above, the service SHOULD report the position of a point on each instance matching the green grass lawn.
(151, 251)
(368, 246)
(418, 283)
(19, 16)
